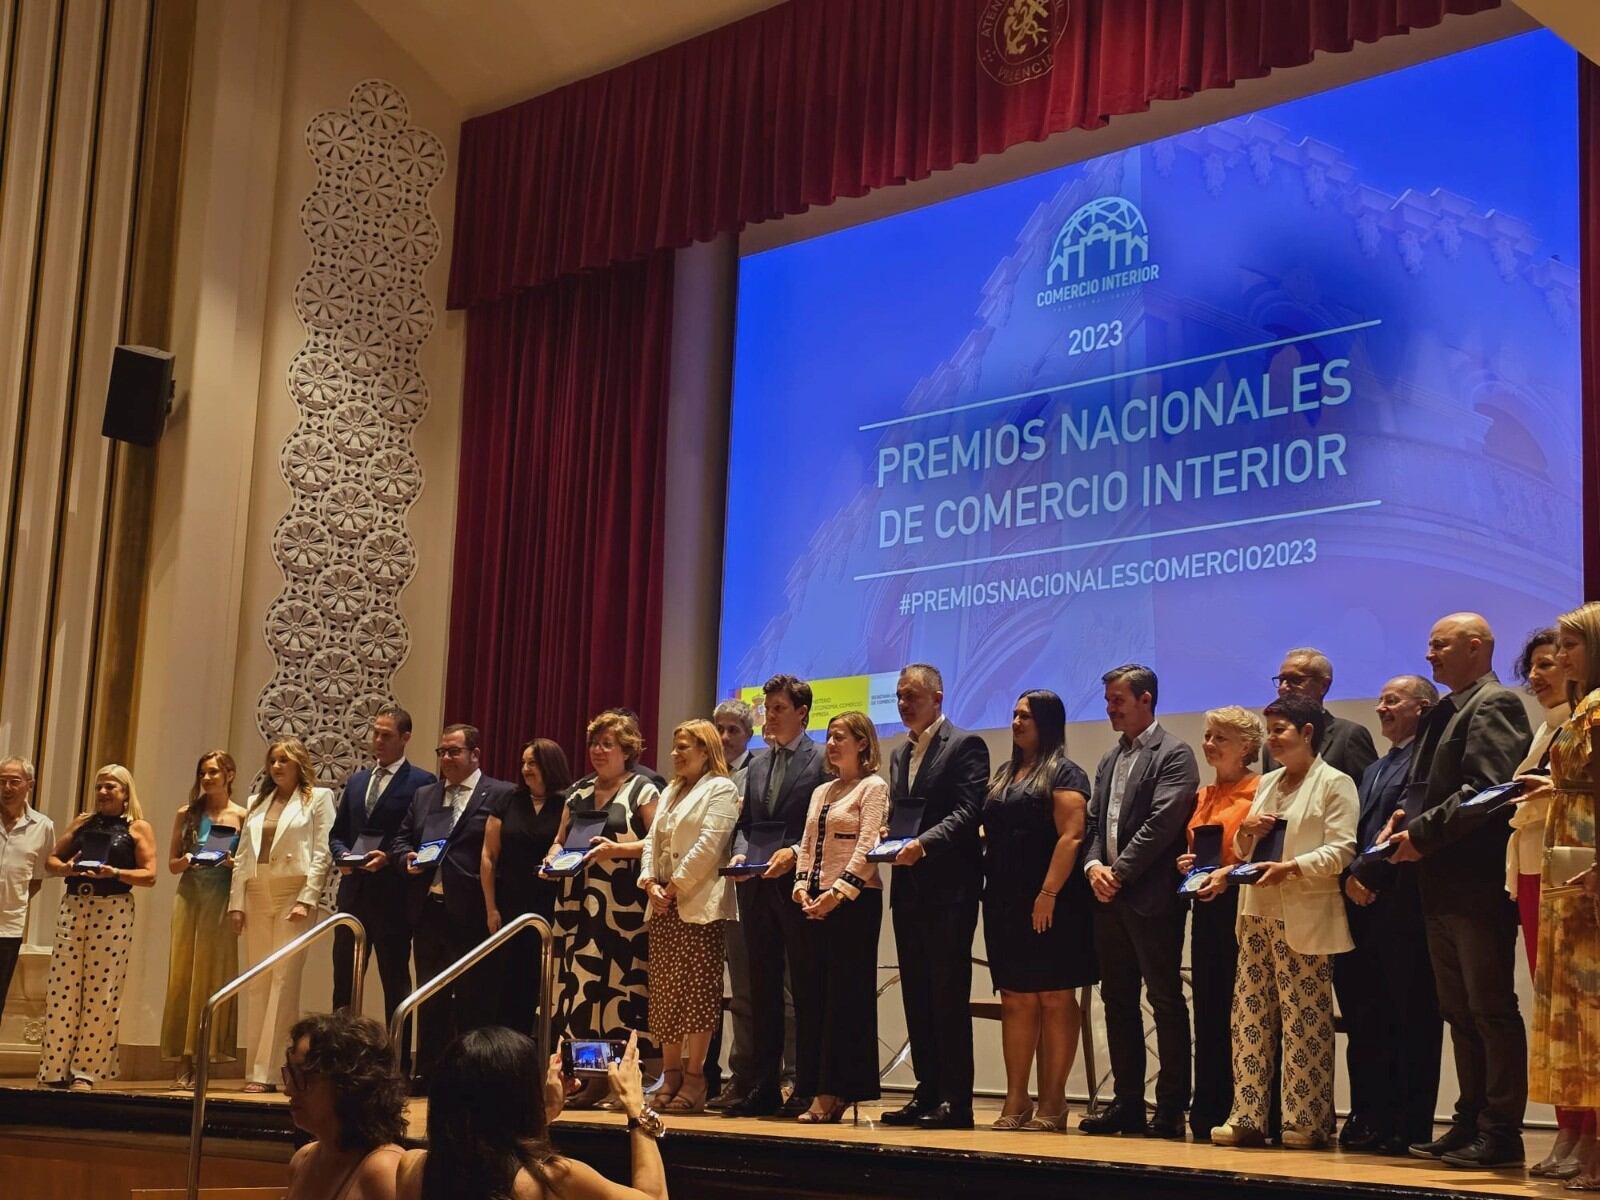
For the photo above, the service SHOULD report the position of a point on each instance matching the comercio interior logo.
(1103, 247)
(1017, 38)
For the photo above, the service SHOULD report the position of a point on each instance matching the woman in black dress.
(1037, 909)
(515, 839)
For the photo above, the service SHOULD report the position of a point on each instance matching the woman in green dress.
(205, 949)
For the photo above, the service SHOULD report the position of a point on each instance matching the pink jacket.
(848, 833)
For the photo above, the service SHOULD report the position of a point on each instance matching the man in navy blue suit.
(444, 898)
(374, 802)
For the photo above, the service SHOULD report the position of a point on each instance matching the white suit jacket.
(1321, 840)
(688, 840)
(299, 847)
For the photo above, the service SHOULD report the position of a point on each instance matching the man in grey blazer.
(1144, 795)
(1472, 739)
(1346, 745)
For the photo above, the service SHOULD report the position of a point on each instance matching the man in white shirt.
(735, 722)
(26, 838)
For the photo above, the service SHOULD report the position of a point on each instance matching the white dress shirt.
(382, 777)
(23, 851)
(456, 796)
(1127, 756)
(919, 751)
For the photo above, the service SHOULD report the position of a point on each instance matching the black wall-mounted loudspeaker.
(139, 395)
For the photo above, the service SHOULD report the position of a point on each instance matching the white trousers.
(272, 1001)
(87, 966)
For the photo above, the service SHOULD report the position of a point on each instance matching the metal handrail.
(471, 958)
(202, 1056)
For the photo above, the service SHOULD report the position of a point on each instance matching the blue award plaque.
(428, 853)
(1207, 858)
(365, 844)
(218, 845)
(1496, 797)
(93, 846)
(1268, 850)
(574, 855)
(766, 839)
(904, 822)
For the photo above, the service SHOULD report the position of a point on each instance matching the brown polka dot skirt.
(685, 976)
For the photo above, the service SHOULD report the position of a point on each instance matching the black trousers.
(774, 934)
(1136, 950)
(843, 1057)
(378, 901)
(1213, 964)
(1474, 965)
(1391, 1016)
(9, 949)
(470, 1002)
(514, 975)
(933, 946)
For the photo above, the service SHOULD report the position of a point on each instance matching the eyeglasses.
(1290, 680)
(450, 751)
(295, 1077)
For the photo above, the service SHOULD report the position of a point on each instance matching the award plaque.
(365, 844)
(1268, 850)
(766, 839)
(904, 822)
(1493, 798)
(1207, 858)
(428, 853)
(574, 853)
(218, 845)
(93, 846)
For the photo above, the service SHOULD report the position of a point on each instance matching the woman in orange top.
(1232, 745)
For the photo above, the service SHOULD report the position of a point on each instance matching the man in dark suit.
(777, 788)
(933, 898)
(1385, 985)
(1346, 745)
(1474, 738)
(444, 899)
(374, 802)
(1144, 795)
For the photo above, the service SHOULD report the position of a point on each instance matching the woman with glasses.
(345, 1090)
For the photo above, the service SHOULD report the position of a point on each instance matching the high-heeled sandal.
(667, 1091)
(1583, 1183)
(1558, 1157)
(1013, 1121)
(1047, 1124)
(826, 1116)
(690, 1096)
(257, 1089)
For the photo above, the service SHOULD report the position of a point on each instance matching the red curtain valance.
(817, 99)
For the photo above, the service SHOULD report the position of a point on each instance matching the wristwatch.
(648, 1122)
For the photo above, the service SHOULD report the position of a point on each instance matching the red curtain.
(556, 607)
(1589, 304)
(816, 99)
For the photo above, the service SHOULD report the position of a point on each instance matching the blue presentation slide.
(1304, 377)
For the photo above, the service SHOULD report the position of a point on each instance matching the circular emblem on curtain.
(1017, 38)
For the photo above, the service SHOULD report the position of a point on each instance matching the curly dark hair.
(1538, 639)
(352, 1053)
(486, 1118)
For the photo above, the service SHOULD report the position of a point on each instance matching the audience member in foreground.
(1291, 923)
(345, 1090)
(1038, 911)
(488, 1131)
(1232, 741)
(1564, 1062)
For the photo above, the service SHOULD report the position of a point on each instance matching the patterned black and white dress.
(603, 991)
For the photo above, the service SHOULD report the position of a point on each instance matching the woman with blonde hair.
(1564, 1048)
(836, 1047)
(604, 984)
(204, 952)
(107, 851)
(689, 903)
(279, 870)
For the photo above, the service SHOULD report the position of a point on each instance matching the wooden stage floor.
(774, 1157)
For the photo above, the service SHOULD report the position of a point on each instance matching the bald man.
(1472, 739)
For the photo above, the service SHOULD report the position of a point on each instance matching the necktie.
(375, 788)
(780, 758)
(455, 799)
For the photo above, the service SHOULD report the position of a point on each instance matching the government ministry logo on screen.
(1102, 248)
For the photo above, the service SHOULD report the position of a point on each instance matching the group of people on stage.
(1077, 882)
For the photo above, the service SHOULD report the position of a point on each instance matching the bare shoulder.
(408, 1175)
(378, 1178)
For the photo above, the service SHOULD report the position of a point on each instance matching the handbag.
(1562, 863)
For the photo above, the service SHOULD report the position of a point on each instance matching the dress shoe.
(1166, 1124)
(1457, 1137)
(944, 1116)
(908, 1114)
(725, 1099)
(1397, 1145)
(1123, 1116)
(1237, 1135)
(1358, 1135)
(794, 1105)
(757, 1104)
(1487, 1150)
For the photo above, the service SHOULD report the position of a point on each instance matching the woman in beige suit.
(278, 872)
(689, 901)
(1291, 924)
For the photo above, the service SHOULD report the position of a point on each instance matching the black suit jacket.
(1472, 739)
(1383, 789)
(351, 819)
(1152, 823)
(1346, 746)
(800, 779)
(950, 783)
(457, 867)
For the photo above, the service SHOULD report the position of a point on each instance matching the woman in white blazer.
(278, 872)
(689, 901)
(1291, 924)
